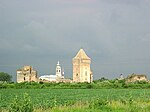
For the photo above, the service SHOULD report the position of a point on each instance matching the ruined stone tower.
(81, 67)
(26, 74)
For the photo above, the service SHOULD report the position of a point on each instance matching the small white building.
(53, 78)
(50, 78)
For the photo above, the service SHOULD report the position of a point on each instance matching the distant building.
(121, 77)
(26, 74)
(81, 67)
(136, 77)
(59, 72)
(54, 78)
(50, 78)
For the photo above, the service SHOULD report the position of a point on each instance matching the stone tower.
(58, 70)
(26, 74)
(81, 67)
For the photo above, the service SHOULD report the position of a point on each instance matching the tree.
(103, 79)
(5, 77)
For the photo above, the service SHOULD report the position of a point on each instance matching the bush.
(89, 86)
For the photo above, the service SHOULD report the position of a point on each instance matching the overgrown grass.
(75, 100)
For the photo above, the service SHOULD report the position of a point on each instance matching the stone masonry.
(26, 74)
(81, 68)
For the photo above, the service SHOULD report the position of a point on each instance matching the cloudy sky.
(114, 33)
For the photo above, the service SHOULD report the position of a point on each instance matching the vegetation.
(5, 77)
(101, 95)
(74, 100)
(97, 84)
(21, 104)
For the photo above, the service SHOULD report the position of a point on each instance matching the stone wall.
(26, 74)
(81, 68)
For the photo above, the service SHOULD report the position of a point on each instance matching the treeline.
(97, 84)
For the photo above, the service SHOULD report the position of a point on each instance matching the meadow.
(75, 100)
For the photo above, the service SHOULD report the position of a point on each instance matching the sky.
(115, 34)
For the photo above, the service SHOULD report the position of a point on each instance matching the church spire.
(58, 63)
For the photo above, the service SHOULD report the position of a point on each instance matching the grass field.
(76, 100)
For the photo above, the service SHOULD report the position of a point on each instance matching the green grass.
(78, 100)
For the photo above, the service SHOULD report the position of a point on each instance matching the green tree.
(5, 77)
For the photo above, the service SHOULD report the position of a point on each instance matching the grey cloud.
(115, 34)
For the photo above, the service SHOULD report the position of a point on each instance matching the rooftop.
(81, 54)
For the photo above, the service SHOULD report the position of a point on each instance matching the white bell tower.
(58, 70)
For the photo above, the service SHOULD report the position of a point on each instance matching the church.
(53, 78)
(81, 68)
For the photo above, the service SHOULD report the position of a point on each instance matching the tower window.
(85, 73)
(30, 78)
(76, 74)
